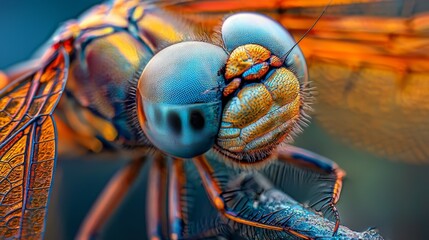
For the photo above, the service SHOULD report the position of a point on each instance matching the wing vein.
(29, 153)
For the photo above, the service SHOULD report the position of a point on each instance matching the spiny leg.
(201, 220)
(255, 209)
(269, 222)
(304, 158)
(328, 172)
(110, 199)
(275, 207)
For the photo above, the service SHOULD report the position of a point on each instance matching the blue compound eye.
(179, 100)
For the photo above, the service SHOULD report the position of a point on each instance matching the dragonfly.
(130, 31)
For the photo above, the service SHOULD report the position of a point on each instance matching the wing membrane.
(374, 86)
(28, 147)
(27, 162)
(369, 61)
(35, 95)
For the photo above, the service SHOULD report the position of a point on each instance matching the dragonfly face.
(233, 101)
(253, 125)
(185, 86)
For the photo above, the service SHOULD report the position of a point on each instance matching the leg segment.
(307, 159)
(165, 185)
(176, 182)
(216, 196)
(109, 200)
(331, 174)
(156, 195)
(255, 209)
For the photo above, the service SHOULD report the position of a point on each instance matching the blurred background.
(389, 195)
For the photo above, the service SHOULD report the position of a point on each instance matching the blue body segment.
(254, 69)
(181, 91)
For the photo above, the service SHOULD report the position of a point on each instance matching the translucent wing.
(372, 76)
(369, 61)
(28, 147)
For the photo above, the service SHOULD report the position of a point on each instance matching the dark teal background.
(391, 196)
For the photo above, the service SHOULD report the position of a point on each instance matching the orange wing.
(374, 85)
(28, 147)
(369, 65)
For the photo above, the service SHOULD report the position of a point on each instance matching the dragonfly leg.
(251, 196)
(156, 196)
(110, 199)
(303, 158)
(165, 171)
(314, 162)
(270, 222)
(176, 181)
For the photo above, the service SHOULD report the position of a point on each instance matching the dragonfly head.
(240, 100)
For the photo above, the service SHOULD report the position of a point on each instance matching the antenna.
(305, 34)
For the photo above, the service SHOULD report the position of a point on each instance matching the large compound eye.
(180, 102)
